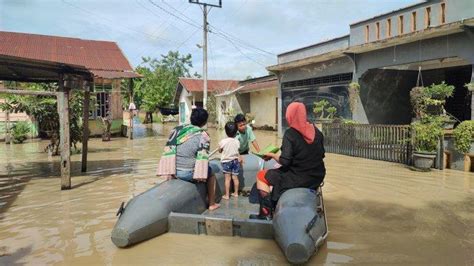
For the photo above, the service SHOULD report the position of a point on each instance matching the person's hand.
(241, 160)
(268, 156)
(201, 180)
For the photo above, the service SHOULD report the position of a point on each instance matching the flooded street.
(377, 211)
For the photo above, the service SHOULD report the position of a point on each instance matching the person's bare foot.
(235, 195)
(214, 206)
(225, 197)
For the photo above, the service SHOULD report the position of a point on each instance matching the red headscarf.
(296, 118)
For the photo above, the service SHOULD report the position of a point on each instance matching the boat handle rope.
(121, 209)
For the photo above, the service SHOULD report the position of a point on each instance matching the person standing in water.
(245, 135)
(230, 159)
(301, 160)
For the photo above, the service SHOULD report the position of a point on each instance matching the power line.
(240, 51)
(228, 35)
(171, 14)
(104, 18)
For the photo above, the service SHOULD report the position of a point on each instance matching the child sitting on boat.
(230, 159)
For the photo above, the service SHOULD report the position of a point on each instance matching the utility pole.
(204, 45)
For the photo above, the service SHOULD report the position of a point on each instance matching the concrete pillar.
(359, 113)
(472, 94)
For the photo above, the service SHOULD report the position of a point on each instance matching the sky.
(246, 35)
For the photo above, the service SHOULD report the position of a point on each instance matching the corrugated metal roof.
(257, 86)
(191, 84)
(101, 57)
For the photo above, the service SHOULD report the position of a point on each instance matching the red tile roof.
(191, 84)
(103, 58)
(257, 86)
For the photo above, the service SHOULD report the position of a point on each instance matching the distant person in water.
(301, 160)
(230, 159)
(194, 139)
(245, 135)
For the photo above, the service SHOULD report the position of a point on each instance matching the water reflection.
(377, 211)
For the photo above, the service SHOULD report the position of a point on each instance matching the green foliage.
(427, 132)
(349, 122)
(439, 91)
(160, 78)
(45, 111)
(212, 108)
(320, 108)
(430, 99)
(463, 136)
(469, 86)
(20, 131)
(417, 97)
(354, 91)
(331, 111)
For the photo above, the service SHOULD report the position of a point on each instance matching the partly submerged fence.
(379, 142)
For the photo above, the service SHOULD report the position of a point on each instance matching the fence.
(379, 142)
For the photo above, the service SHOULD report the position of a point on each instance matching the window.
(367, 32)
(400, 25)
(377, 30)
(389, 28)
(427, 17)
(413, 21)
(103, 104)
(443, 13)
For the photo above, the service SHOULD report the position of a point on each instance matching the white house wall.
(186, 98)
(264, 106)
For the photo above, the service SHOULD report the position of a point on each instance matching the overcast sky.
(246, 35)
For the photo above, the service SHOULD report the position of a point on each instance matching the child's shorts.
(231, 167)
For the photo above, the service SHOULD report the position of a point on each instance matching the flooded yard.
(377, 211)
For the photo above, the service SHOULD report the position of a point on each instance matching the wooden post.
(85, 123)
(7, 127)
(64, 136)
(130, 122)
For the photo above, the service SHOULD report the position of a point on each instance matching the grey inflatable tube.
(146, 215)
(297, 225)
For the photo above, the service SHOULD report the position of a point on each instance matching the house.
(189, 94)
(385, 54)
(104, 61)
(256, 96)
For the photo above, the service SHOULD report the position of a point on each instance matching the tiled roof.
(191, 84)
(257, 86)
(103, 58)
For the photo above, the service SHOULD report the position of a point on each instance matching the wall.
(186, 98)
(331, 67)
(385, 95)
(455, 10)
(116, 107)
(455, 45)
(263, 106)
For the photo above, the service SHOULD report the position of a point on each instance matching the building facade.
(385, 55)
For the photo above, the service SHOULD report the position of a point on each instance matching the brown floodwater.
(378, 212)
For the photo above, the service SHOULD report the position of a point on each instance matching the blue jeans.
(231, 167)
(188, 175)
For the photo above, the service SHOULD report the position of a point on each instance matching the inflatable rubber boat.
(299, 223)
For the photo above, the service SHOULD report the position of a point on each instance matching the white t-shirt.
(230, 149)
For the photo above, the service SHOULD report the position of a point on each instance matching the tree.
(160, 78)
(45, 111)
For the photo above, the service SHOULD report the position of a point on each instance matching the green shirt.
(245, 138)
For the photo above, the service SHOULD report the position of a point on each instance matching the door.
(182, 113)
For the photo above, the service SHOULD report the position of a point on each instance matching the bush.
(427, 133)
(20, 131)
(463, 136)
(440, 91)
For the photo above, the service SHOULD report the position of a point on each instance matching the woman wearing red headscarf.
(301, 161)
